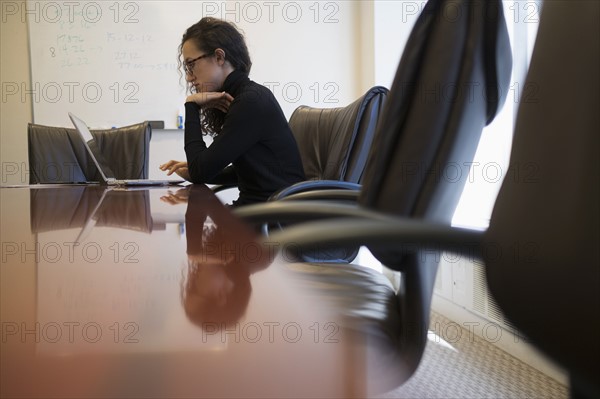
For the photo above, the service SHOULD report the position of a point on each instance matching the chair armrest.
(294, 211)
(331, 195)
(312, 185)
(397, 233)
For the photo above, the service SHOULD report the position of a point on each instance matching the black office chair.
(549, 212)
(57, 155)
(450, 83)
(334, 142)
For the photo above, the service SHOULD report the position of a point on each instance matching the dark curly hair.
(209, 34)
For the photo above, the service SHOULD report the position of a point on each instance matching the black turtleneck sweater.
(256, 139)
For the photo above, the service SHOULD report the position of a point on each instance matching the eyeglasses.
(189, 66)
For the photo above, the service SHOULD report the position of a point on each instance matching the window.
(492, 158)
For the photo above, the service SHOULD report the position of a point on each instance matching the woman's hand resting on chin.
(211, 99)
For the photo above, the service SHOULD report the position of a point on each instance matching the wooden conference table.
(155, 292)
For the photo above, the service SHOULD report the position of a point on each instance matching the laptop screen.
(92, 148)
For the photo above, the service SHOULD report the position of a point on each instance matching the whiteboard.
(114, 63)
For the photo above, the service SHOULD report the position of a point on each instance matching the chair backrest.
(57, 155)
(543, 261)
(334, 142)
(451, 81)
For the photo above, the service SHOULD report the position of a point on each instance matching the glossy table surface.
(157, 292)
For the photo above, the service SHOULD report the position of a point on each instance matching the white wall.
(118, 65)
(393, 23)
(16, 112)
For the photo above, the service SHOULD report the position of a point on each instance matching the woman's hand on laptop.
(178, 167)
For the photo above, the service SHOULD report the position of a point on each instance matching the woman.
(250, 130)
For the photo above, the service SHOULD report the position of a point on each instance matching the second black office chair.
(333, 142)
(448, 86)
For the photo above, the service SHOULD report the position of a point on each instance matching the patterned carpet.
(473, 368)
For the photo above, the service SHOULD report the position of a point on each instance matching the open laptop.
(106, 173)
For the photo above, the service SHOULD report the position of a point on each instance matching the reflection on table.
(156, 293)
(217, 284)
